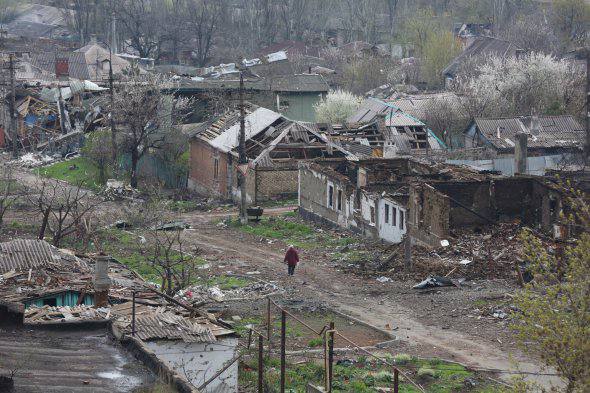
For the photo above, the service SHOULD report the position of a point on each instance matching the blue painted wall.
(69, 298)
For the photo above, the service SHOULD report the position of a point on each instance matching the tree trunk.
(44, 223)
(134, 162)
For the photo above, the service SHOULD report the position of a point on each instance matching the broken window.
(394, 217)
(339, 201)
(372, 214)
(401, 219)
(386, 213)
(330, 195)
(216, 168)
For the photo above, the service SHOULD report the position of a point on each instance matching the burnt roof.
(553, 132)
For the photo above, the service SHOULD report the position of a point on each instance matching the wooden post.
(330, 356)
(269, 327)
(283, 348)
(260, 363)
(249, 338)
(395, 380)
(133, 316)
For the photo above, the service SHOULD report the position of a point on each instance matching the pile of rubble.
(116, 190)
(65, 314)
(199, 293)
(491, 253)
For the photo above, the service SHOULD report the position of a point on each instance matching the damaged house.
(547, 135)
(54, 300)
(401, 134)
(386, 198)
(274, 146)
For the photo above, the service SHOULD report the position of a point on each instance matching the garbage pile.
(34, 160)
(200, 293)
(65, 314)
(116, 190)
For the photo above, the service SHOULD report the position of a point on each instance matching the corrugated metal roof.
(77, 67)
(256, 122)
(170, 326)
(421, 105)
(554, 131)
(21, 255)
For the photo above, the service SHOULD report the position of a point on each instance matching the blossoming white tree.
(518, 86)
(336, 107)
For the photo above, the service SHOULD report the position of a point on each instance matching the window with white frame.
(394, 216)
(401, 219)
(386, 213)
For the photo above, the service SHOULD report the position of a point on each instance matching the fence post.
(283, 348)
(395, 380)
(260, 363)
(330, 356)
(268, 326)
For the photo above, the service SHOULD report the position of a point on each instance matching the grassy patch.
(83, 173)
(365, 376)
(281, 202)
(183, 206)
(292, 231)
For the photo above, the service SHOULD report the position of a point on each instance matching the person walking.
(291, 259)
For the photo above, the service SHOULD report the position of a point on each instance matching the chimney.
(498, 132)
(62, 67)
(102, 282)
(93, 39)
(535, 125)
(520, 153)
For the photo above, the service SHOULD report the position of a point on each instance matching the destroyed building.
(384, 198)
(401, 133)
(547, 135)
(274, 146)
(48, 293)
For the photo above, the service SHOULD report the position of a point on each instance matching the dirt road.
(374, 303)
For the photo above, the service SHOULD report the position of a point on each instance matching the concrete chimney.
(102, 282)
(498, 132)
(520, 153)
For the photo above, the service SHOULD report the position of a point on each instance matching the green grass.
(366, 376)
(85, 173)
(183, 206)
(301, 235)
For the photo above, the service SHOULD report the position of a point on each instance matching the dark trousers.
(291, 269)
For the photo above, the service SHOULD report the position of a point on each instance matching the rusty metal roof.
(24, 254)
(170, 326)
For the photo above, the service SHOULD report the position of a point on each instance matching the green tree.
(439, 49)
(554, 309)
(98, 149)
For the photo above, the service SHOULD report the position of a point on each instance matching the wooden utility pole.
(112, 114)
(260, 364)
(587, 144)
(12, 105)
(243, 160)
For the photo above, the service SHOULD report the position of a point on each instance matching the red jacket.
(291, 257)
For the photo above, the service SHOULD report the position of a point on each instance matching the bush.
(426, 373)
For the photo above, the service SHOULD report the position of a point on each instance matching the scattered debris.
(173, 226)
(33, 160)
(65, 313)
(384, 279)
(436, 281)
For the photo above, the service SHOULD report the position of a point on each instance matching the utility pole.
(243, 160)
(13, 107)
(587, 145)
(112, 114)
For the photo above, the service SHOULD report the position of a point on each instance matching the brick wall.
(429, 214)
(271, 182)
(202, 170)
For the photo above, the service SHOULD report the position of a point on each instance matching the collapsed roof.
(269, 137)
(543, 131)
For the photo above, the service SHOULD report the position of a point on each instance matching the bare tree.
(142, 22)
(169, 258)
(64, 209)
(204, 21)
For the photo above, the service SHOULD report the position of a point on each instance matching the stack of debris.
(36, 314)
(116, 189)
(202, 294)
